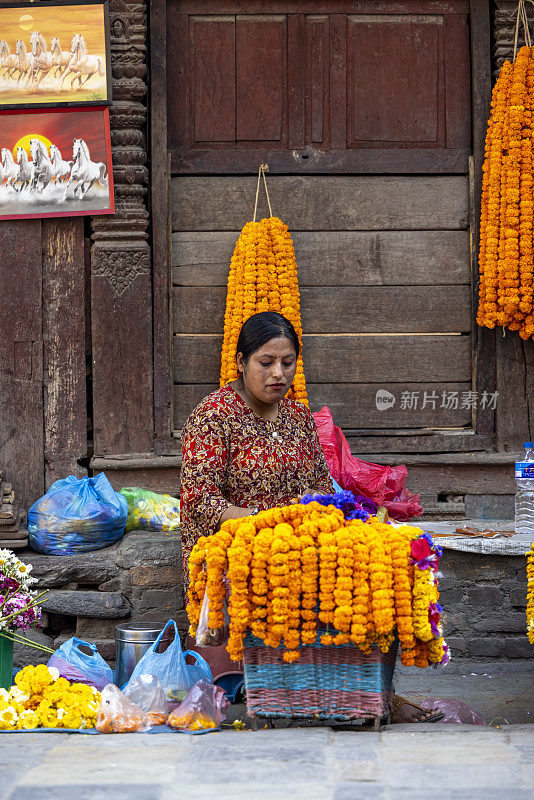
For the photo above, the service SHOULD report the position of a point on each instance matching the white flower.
(61, 713)
(8, 716)
(54, 672)
(4, 695)
(16, 695)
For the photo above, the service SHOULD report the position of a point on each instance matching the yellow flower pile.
(506, 291)
(41, 699)
(303, 571)
(262, 277)
(530, 594)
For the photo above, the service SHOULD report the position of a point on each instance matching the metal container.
(132, 640)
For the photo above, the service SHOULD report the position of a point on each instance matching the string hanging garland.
(506, 289)
(262, 277)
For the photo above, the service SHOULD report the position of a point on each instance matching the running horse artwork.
(60, 58)
(42, 169)
(25, 169)
(24, 61)
(81, 64)
(10, 169)
(8, 60)
(61, 168)
(42, 58)
(84, 171)
(54, 53)
(38, 175)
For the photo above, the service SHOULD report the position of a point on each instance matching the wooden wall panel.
(363, 359)
(121, 321)
(213, 79)
(394, 80)
(369, 309)
(317, 203)
(65, 399)
(261, 78)
(309, 80)
(340, 258)
(317, 80)
(354, 405)
(21, 358)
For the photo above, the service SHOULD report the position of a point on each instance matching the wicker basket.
(328, 682)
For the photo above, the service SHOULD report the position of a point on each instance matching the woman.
(246, 447)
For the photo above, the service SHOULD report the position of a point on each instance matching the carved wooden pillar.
(515, 358)
(121, 281)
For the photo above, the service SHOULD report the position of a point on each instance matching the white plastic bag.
(147, 692)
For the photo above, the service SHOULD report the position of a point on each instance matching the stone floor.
(402, 762)
(405, 762)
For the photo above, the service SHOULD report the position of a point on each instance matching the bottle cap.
(527, 445)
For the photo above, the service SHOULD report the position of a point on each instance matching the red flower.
(420, 549)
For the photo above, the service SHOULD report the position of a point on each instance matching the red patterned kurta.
(233, 457)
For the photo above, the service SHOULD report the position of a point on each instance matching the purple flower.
(434, 615)
(344, 500)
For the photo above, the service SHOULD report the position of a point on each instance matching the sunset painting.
(53, 53)
(55, 163)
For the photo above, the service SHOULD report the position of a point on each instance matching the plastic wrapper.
(456, 711)
(170, 667)
(211, 637)
(118, 714)
(77, 515)
(203, 709)
(384, 485)
(79, 667)
(147, 692)
(149, 511)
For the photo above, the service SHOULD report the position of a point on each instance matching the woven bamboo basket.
(328, 682)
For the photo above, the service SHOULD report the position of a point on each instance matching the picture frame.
(55, 53)
(55, 162)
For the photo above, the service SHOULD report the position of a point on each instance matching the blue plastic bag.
(171, 669)
(77, 515)
(79, 667)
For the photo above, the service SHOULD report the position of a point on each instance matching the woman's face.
(270, 370)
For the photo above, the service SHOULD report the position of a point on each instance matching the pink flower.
(420, 549)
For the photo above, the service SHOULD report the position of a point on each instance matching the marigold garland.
(530, 594)
(506, 288)
(304, 571)
(262, 277)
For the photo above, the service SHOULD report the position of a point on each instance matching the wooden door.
(363, 112)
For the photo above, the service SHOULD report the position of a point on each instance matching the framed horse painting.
(55, 163)
(54, 54)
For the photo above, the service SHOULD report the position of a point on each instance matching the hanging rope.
(523, 16)
(263, 168)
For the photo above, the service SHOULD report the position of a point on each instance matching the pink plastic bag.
(385, 485)
(456, 711)
(203, 709)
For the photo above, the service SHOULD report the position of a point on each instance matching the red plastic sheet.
(385, 485)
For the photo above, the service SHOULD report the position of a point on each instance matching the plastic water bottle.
(524, 499)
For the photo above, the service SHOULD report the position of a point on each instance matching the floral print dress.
(233, 457)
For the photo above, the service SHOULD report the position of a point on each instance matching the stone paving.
(402, 762)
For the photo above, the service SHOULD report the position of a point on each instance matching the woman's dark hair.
(260, 329)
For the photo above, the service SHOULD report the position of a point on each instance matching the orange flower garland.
(262, 277)
(506, 291)
(291, 568)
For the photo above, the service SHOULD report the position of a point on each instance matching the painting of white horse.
(38, 175)
(54, 54)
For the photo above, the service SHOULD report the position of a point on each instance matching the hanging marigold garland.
(296, 568)
(530, 594)
(506, 291)
(262, 277)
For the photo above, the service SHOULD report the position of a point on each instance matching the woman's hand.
(313, 492)
(234, 512)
